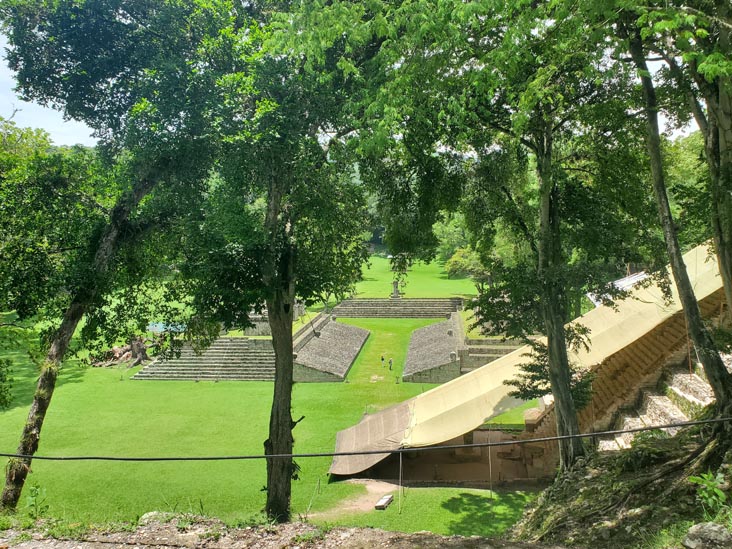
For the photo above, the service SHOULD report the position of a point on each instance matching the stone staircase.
(678, 397)
(227, 359)
(398, 308)
(480, 352)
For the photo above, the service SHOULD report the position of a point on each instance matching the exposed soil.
(362, 503)
(160, 531)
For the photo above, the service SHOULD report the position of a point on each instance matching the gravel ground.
(167, 532)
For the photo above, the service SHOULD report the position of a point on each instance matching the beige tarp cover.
(465, 403)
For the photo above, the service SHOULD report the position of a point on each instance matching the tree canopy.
(240, 144)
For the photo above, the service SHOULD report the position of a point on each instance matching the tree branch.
(523, 227)
(510, 133)
(694, 11)
(14, 325)
(694, 104)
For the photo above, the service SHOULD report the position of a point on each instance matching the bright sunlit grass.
(102, 412)
(423, 280)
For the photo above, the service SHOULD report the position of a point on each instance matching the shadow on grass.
(25, 376)
(444, 276)
(481, 516)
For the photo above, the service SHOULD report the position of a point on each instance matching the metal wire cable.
(369, 452)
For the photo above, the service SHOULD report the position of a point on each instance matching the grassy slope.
(423, 280)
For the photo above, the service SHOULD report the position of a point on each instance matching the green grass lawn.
(103, 412)
(446, 511)
(423, 280)
(513, 417)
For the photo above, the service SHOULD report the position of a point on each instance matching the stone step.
(613, 443)
(659, 410)
(627, 421)
(201, 378)
(401, 300)
(491, 349)
(206, 375)
(220, 353)
(223, 348)
(191, 352)
(222, 369)
(221, 357)
(204, 363)
(494, 341)
(607, 444)
(691, 387)
(366, 313)
(374, 307)
(235, 373)
(486, 359)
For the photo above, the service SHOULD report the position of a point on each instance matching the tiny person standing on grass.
(382, 360)
(391, 363)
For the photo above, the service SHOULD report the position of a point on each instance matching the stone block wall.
(433, 354)
(260, 328)
(439, 374)
(329, 355)
(305, 374)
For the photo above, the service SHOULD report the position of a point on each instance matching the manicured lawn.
(423, 280)
(103, 412)
(447, 511)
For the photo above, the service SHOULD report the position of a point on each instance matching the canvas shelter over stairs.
(644, 322)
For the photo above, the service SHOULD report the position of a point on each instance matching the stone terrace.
(228, 358)
(325, 357)
(433, 352)
(679, 396)
(329, 356)
(398, 308)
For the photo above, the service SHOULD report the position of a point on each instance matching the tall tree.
(452, 78)
(719, 378)
(695, 39)
(130, 71)
(289, 214)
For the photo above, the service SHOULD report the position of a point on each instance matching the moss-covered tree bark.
(18, 468)
(718, 376)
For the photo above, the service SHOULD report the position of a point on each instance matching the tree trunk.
(721, 208)
(138, 351)
(17, 468)
(719, 378)
(721, 114)
(279, 277)
(280, 441)
(716, 127)
(553, 305)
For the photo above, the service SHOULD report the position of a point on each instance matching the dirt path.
(360, 503)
